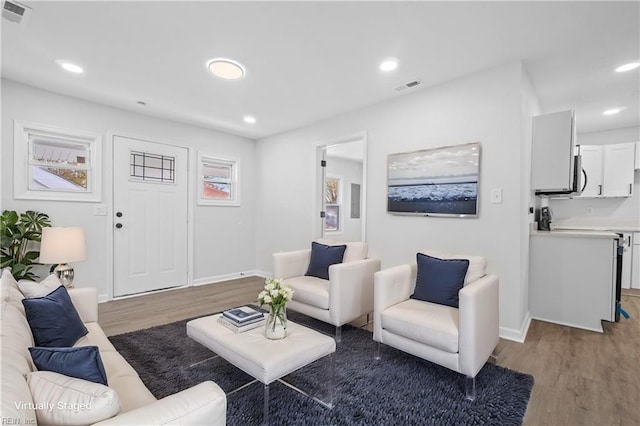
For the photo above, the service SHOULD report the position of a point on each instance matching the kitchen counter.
(572, 277)
(574, 233)
(613, 228)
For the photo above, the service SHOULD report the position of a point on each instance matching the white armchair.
(344, 297)
(460, 339)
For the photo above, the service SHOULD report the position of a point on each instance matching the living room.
(277, 210)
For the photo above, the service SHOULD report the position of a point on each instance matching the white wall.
(350, 172)
(530, 108)
(485, 107)
(607, 212)
(223, 236)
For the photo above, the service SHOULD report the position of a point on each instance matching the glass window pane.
(331, 190)
(58, 178)
(54, 151)
(216, 172)
(152, 167)
(332, 218)
(216, 190)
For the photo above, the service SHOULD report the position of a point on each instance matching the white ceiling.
(307, 61)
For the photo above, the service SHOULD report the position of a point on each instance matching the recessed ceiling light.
(226, 68)
(389, 64)
(628, 67)
(249, 119)
(612, 111)
(68, 66)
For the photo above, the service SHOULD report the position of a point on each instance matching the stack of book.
(242, 319)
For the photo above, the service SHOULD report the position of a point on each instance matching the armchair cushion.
(83, 362)
(439, 280)
(53, 319)
(323, 256)
(428, 323)
(310, 290)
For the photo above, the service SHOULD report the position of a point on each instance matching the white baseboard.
(103, 298)
(597, 327)
(264, 274)
(226, 277)
(515, 334)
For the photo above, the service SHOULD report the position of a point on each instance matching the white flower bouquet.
(276, 295)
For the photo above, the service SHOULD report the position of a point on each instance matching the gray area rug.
(399, 389)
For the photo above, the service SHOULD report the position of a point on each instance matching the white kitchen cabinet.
(609, 170)
(637, 166)
(552, 155)
(592, 162)
(635, 263)
(618, 169)
(627, 259)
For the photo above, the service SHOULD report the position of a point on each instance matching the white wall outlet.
(589, 211)
(496, 195)
(100, 210)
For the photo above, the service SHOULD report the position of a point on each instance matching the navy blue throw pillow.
(323, 256)
(83, 362)
(439, 280)
(53, 319)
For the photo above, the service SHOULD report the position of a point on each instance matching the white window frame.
(338, 203)
(234, 163)
(22, 133)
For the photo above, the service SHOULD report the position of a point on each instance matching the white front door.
(150, 238)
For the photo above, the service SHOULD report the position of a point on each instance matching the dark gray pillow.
(83, 362)
(323, 256)
(53, 319)
(439, 280)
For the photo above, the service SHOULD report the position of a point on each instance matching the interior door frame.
(110, 208)
(318, 183)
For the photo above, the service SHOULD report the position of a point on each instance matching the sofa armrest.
(203, 404)
(391, 286)
(351, 290)
(85, 301)
(479, 323)
(291, 263)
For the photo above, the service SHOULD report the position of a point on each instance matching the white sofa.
(204, 403)
(461, 339)
(346, 296)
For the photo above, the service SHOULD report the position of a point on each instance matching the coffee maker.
(543, 215)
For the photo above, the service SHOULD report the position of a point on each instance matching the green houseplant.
(17, 232)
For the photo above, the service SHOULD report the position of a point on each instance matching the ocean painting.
(439, 181)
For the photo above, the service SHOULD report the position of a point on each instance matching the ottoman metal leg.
(265, 410)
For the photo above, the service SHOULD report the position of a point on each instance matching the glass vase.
(276, 325)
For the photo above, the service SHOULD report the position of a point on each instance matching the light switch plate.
(496, 195)
(100, 210)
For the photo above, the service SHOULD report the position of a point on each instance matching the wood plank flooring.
(581, 377)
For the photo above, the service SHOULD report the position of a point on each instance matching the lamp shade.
(62, 245)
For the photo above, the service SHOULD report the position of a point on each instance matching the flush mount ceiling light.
(68, 66)
(612, 111)
(628, 67)
(249, 119)
(389, 64)
(226, 68)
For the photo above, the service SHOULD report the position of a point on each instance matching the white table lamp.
(61, 246)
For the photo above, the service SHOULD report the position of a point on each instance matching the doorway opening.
(341, 189)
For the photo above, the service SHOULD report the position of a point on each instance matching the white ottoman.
(263, 359)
